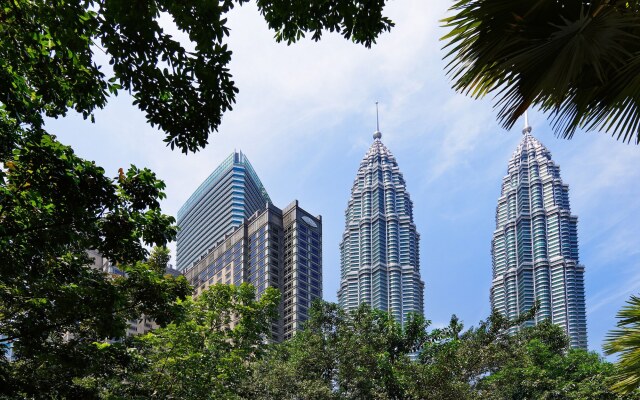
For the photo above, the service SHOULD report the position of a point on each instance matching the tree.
(159, 258)
(367, 355)
(492, 362)
(625, 341)
(205, 354)
(362, 355)
(577, 59)
(439, 372)
(536, 369)
(54, 309)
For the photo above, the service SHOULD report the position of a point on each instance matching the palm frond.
(577, 60)
(626, 341)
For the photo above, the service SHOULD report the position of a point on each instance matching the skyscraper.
(274, 248)
(230, 194)
(379, 255)
(535, 244)
(302, 273)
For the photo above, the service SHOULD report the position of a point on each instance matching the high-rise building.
(379, 255)
(302, 277)
(230, 194)
(272, 248)
(535, 244)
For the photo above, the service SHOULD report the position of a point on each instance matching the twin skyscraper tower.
(535, 244)
(231, 233)
(379, 251)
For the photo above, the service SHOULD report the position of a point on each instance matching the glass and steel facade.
(535, 244)
(272, 248)
(379, 254)
(230, 194)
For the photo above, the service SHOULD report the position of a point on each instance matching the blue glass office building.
(535, 244)
(379, 255)
(230, 194)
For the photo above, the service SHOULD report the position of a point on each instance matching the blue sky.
(305, 115)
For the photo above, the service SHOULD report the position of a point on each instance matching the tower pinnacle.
(527, 127)
(377, 134)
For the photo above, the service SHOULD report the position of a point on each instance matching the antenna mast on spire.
(527, 127)
(377, 134)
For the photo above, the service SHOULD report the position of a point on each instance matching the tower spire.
(527, 127)
(377, 134)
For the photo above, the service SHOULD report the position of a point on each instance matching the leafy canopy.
(203, 355)
(368, 355)
(54, 309)
(47, 60)
(339, 355)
